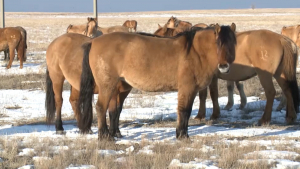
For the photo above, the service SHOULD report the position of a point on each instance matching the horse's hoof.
(60, 132)
(262, 122)
(90, 131)
(228, 107)
(106, 137)
(199, 117)
(290, 120)
(214, 117)
(118, 135)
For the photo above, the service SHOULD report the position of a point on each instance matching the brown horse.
(11, 38)
(24, 35)
(131, 25)
(174, 22)
(168, 32)
(89, 29)
(64, 62)
(293, 32)
(185, 63)
(112, 29)
(266, 54)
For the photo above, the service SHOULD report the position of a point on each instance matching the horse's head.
(171, 22)
(226, 42)
(161, 30)
(293, 32)
(91, 27)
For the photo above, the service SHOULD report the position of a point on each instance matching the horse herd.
(179, 57)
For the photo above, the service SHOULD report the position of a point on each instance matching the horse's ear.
(233, 27)
(217, 28)
(159, 26)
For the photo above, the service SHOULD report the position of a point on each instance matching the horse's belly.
(148, 85)
(238, 73)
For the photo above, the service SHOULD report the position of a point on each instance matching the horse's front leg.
(202, 106)
(214, 94)
(186, 96)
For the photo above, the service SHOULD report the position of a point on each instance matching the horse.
(174, 22)
(185, 63)
(64, 62)
(293, 32)
(131, 24)
(168, 32)
(24, 35)
(201, 25)
(266, 54)
(113, 29)
(89, 29)
(13, 39)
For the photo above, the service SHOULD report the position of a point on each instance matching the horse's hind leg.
(214, 94)
(58, 81)
(115, 108)
(11, 57)
(202, 106)
(291, 115)
(282, 103)
(267, 83)
(230, 87)
(20, 55)
(74, 96)
(243, 97)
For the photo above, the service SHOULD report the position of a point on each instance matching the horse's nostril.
(223, 66)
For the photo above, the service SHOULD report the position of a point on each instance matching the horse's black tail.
(87, 85)
(50, 101)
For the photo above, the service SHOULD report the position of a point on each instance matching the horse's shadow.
(37, 127)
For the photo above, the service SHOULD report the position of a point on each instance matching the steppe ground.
(214, 150)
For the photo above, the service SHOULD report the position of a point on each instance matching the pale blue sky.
(140, 5)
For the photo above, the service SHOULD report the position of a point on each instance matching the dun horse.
(131, 24)
(266, 54)
(168, 32)
(64, 61)
(11, 39)
(89, 29)
(174, 22)
(113, 29)
(293, 32)
(185, 63)
(201, 25)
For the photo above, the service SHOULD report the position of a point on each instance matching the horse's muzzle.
(224, 68)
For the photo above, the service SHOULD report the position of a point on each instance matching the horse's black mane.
(226, 37)
(188, 33)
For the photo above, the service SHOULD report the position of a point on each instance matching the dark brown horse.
(89, 29)
(173, 22)
(185, 63)
(266, 54)
(11, 38)
(131, 24)
(64, 62)
(168, 32)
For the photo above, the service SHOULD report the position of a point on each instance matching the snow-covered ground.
(22, 105)
(22, 115)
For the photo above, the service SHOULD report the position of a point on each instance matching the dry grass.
(62, 152)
